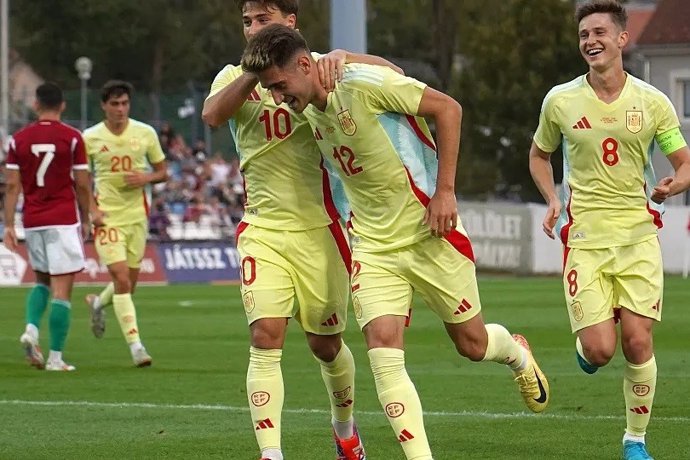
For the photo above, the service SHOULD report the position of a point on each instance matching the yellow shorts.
(312, 265)
(122, 243)
(598, 280)
(441, 270)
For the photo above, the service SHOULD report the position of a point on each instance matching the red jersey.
(45, 153)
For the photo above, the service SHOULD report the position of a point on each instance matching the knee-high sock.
(400, 401)
(339, 377)
(36, 303)
(106, 295)
(126, 316)
(266, 393)
(59, 323)
(502, 348)
(639, 386)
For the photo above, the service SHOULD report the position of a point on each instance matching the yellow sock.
(106, 295)
(266, 394)
(400, 401)
(639, 386)
(339, 377)
(502, 348)
(126, 316)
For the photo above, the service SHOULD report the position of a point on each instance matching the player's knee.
(637, 347)
(598, 355)
(325, 348)
(268, 333)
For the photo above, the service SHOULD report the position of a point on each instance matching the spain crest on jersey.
(134, 144)
(347, 123)
(633, 121)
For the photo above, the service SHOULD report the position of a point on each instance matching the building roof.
(669, 24)
(638, 18)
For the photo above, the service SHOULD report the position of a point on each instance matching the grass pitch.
(192, 403)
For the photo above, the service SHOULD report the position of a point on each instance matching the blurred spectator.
(159, 220)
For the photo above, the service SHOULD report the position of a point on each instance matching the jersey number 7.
(49, 153)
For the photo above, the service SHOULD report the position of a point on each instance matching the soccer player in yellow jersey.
(125, 156)
(406, 232)
(607, 122)
(291, 243)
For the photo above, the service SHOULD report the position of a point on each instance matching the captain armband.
(670, 141)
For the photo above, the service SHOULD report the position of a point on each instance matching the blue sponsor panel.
(199, 262)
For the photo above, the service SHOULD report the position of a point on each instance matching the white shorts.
(56, 250)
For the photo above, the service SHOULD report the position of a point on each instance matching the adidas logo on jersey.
(582, 123)
(463, 307)
(104, 149)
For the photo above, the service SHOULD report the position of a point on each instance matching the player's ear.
(291, 21)
(623, 38)
(304, 64)
(63, 106)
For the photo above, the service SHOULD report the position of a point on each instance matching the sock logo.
(405, 436)
(342, 394)
(641, 390)
(263, 424)
(395, 410)
(347, 403)
(133, 331)
(641, 410)
(260, 398)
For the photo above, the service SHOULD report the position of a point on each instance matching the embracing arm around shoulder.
(442, 212)
(332, 65)
(223, 105)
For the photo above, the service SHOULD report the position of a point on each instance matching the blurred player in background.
(607, 121)
(120, 150)
(290, 240)
(47, 161)
(406, 233)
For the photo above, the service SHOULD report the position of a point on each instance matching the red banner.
(151, 269)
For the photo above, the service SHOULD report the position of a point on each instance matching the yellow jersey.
(607, 160)
(111, 157)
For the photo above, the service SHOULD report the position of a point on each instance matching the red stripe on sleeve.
(420, 134)
(328, 202)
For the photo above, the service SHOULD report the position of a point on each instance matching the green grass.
(192, 402)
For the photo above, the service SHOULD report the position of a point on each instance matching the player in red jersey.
(48, 161)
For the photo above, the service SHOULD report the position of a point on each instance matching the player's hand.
(330, 68)
(552, 215)
(442, 213)
(662, 190)
(9, 239)
(136, 179)
(97, 217)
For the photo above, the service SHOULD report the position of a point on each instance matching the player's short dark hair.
(116, 88)
(612, 7)
(285, 6)
(273, 45)
(49, 96)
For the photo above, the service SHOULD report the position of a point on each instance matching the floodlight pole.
(83, 66)
(4, 70)
(349, 25)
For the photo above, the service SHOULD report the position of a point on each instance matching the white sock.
(54, 356)
(272, 454)
(97, 303)
(631, 437)
(135, 346)
(32, 330)
(517, 367)
(344, 430)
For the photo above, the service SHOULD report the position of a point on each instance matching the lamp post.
(83, 65)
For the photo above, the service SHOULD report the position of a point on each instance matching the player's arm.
(442, 211)
(680, 181)
(136, 179)
(331, 65)
(222, 106)
(85, 201)
(542, 173)
(12, 188)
